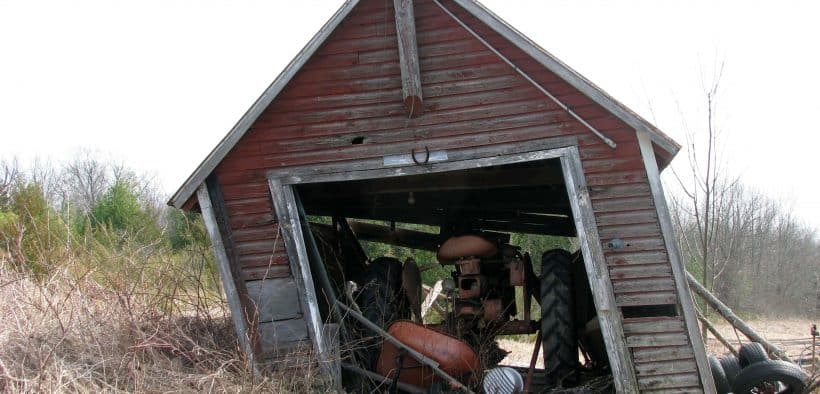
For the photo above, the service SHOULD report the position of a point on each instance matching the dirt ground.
(792, 334)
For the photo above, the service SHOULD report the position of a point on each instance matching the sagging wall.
(352, 88)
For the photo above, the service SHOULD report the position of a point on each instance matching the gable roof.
(550, 62)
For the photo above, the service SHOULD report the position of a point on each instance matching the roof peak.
(477, 10)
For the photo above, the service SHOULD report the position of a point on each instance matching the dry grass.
(142, 329)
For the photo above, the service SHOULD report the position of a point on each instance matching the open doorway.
(462, 251)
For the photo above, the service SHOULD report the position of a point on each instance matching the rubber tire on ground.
(751, 353)
(731, 367)
(721, 383)
(767, 371)
(560, 346)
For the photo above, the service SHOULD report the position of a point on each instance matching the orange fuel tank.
(453, 355)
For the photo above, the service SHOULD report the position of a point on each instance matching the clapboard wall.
(351, 88)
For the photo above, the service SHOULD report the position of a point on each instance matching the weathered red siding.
(352, 88)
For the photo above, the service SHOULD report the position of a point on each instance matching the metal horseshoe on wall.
(426, 158)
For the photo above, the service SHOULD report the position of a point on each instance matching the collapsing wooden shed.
(438, 112)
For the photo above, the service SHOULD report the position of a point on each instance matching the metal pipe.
(533, 360)
(560, 104)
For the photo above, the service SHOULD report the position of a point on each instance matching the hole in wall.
(665, 310)
(357, 141)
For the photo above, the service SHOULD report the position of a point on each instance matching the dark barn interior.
(528, 198)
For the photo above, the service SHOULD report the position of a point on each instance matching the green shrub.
(120, 211)
(185, 229)
(32, 233)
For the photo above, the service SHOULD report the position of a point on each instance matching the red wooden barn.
(421, 111)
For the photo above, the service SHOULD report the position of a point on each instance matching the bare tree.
(706, 191)
(85, 179)
(9, 176)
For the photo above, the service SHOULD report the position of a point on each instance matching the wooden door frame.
(282, 182)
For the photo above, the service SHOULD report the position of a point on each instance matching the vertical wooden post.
(289, 226)
(232, 293)
(609, 317)
(408, 57)
(678, 271)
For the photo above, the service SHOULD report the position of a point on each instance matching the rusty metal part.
(424, 360)
(533, 360)
(493, 310)
(469, 266)
(454, 356)
(465, 246)
(471, 286)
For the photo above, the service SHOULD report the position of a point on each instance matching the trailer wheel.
(731, 366)
(721, 383)
(751, 353)
(557, 329)
(770, 376)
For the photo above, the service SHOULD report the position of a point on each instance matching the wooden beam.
(709, 326)
(734, 319)
(408, 57)
(472, 179)
(458, 159)
(685, 301)
(226, 274)
(609, 316)
(399, 237)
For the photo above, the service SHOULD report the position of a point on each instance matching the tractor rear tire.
(560, 346)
